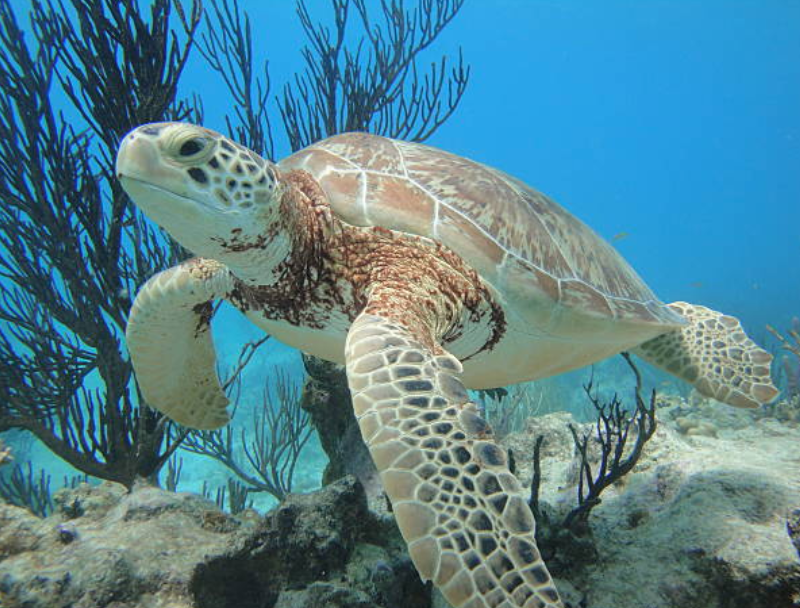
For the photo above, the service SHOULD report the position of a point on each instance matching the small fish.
(697, 284)
(619, 236)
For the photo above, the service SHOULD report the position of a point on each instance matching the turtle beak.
(149, 178)
(138, 158)
(157, 187)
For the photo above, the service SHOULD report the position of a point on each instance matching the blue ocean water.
(674, 123)
(673, 126)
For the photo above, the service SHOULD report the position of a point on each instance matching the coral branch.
(23, 488)
(375, 85)
(611, 433)
(74, 250)
(790, 368)
(280, 429)
(568, 542)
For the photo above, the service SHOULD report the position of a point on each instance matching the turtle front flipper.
(170, 345)
(463, 514)
(713, 353)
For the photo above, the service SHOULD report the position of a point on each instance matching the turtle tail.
(714, 354)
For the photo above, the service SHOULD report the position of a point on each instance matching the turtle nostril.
(151, 130)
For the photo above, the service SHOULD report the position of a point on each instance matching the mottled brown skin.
(336, 267)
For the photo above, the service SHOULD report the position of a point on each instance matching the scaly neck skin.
(289, 242)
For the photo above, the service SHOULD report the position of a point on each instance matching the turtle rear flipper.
(170, 345)
(713, 353)
(463, 514)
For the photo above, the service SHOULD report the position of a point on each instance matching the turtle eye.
(192, 146)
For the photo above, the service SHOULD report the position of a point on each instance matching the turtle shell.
(536, 254)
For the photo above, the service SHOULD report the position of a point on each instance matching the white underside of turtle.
(424, 273)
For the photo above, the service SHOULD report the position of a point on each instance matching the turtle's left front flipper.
(462, 513)
(169, 341)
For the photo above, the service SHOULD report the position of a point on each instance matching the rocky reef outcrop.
(150, 548)
(703, 521)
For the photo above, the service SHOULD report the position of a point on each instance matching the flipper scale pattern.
(462, 513)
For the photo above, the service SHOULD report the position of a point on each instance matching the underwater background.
(673, 126)
(670, 127)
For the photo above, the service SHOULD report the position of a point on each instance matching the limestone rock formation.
(151, 549)
(703, 521)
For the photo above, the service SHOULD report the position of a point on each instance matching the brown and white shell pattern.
(536, 254)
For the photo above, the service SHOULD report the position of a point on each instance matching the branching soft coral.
(568, 543)
(790, 368)
(74, 249)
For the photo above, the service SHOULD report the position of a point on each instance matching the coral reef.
(700, 522)
(705, 521)
(700, 415)
(323, 545)
(150, 547)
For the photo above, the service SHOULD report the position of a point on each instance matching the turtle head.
(215, 197)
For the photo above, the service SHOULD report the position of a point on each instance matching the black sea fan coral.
(73, 249)
(569, 542)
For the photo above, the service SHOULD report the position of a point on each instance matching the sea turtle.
(423, 272)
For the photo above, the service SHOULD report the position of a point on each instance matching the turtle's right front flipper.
(170, 345)
(462, 513)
